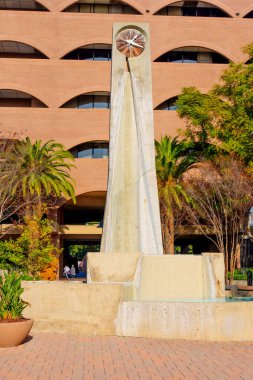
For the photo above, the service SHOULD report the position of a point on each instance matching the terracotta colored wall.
(56, 34)
(56, 81)
(230, 6)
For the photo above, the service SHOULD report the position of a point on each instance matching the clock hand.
(130, 42)
(137, 45)
(134, 38)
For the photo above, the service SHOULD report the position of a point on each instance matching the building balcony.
(90, 231)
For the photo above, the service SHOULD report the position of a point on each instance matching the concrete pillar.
(132, 217)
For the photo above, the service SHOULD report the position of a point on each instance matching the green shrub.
(33, 250)
(27, 277)
(241, 274)
(12, 255)
(11, 304)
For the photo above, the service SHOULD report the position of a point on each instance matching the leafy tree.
(42, 169)
(9, 204)
(173, 160)
(30, 174)
(222, 119)
(12, 255)
(78, 251)
(50, 271)
(36, 241)
(221, 196)
(33, 250)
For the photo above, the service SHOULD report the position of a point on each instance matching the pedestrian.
(66, 271)
(73, 271)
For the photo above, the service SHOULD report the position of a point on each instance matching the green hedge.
(241, 274)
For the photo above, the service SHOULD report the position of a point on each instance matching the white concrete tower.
(132, 217)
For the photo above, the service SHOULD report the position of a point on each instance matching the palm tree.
(33, 174)
(40, 169)
(173, 159)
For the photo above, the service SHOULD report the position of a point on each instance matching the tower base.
(160, 278)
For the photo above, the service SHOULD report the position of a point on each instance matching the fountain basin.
(208, 320)
(99, 309)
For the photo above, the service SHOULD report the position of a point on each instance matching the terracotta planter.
(14, 333)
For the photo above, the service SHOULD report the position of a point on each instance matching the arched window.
(95, 52)
(101, 6)
(88, 210)
(192, 54)
(92, 149)
(22, 5)
(168, 105)
(13, 49)
(13, 98)
(249, 15)
(99, 100)
(193, 9)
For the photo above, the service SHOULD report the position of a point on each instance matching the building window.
(249, 15)
(193, 9)
(192, 54)
(100, 100)
(168, 105)
(21, 5)
(101, 6)
(13, 49)
(97, 149)
(96, 52)
(12, 98)
(78, 215)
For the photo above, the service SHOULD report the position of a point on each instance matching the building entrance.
(75, 256)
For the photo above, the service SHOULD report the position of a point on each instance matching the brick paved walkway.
(55, 356)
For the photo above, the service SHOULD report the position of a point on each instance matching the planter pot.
(14, 333)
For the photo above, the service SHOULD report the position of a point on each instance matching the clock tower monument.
(132, 226)
(132, 217)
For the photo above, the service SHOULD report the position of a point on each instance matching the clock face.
(130, 42)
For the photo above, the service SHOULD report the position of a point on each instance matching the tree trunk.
(238, 256)
(168, 229)
(226, 267)
(165, 228)
(166, 236)
(233, 259)
(171, 234)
